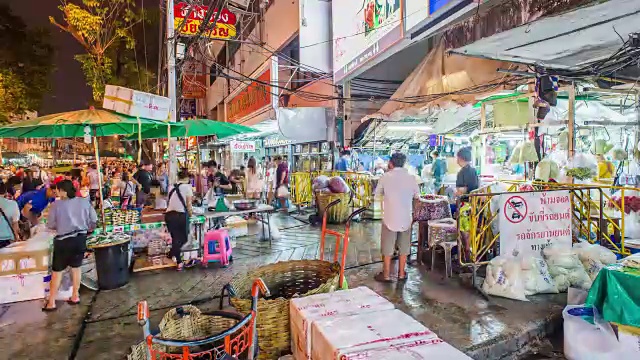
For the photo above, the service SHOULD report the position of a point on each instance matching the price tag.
(135, 227)
(119, 228)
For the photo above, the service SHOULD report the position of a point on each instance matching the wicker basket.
(193, 326)
(337, 214)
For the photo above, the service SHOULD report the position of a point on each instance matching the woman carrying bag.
(179, 210)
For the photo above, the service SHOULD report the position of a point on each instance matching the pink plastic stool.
(217, 247)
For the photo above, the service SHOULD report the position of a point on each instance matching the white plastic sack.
(632, 261)
(586, 341)
(632, 226)
(566, 269)
(505, 278)
(263, 232)
(547, 169)
(537, 279)
(594, 257)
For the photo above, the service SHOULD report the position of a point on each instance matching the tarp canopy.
(567, 41)
(197, 127)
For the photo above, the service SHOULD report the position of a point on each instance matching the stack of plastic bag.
(632, 261)
(594, 257)
(547, 169)
(566, 269)
(537, 279)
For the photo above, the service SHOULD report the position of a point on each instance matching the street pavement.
(104, 325)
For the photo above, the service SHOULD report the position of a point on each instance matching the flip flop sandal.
(71, 302)
(380, 278)
(404, 278)
(48, 309)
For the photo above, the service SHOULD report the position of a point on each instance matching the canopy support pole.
(198, 166)
(139, 141)
(97, 152)
(483, 137)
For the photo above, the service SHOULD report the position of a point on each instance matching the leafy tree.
(26, 62)
(105, 29)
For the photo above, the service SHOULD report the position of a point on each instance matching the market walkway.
(104, 326)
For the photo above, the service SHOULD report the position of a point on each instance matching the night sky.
(69, 90)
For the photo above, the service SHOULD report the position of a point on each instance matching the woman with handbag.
(282, 183)
(179, 210)
(254, 180)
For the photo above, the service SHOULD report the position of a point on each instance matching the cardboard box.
(25, 257)
(335, 337)
(136, 103)
(426, 349)
(22, 287)
(305, 311)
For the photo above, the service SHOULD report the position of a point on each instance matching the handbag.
(283, 191)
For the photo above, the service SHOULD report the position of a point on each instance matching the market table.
(616, 294)
(214, 216)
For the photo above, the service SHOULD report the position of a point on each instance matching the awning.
(563, 42)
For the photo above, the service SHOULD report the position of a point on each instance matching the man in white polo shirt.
(398, 189)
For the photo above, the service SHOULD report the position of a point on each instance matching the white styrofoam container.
(136, 103)
(304, 311)
(630, 342)
(334, 337)
(425, 349)
(23, 287)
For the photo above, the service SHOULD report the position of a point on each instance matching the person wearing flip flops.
(72, 218)
(398, 189)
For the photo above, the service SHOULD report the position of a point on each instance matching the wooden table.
(264, 210)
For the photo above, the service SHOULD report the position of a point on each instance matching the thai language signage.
(242, 146)
(530, 222)
(189, 18)
(362, 30)
(254, 97)
(194, 86)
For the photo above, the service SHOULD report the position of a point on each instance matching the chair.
(446, 246)
(217, 247)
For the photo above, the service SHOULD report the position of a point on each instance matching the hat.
(57, 180)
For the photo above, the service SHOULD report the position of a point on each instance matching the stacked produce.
(582, 167)
(121, 217)
(106, 239)
(334, 184)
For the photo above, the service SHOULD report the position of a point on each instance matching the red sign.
(194, 86)
(515, 209)
(256, 96)
(225, 26)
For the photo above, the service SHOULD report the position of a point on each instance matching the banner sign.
(242, 146)
(194, 86)
(254, 97)
(225, 27)
(530, 222)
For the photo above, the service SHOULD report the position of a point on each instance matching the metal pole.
(171, 90)
(97, 153)
(159, 90)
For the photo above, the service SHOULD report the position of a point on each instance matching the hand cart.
(227, 345)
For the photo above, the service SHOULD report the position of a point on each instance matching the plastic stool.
(217, 247)
(446, 246)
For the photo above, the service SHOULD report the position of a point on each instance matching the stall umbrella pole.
(95, 148)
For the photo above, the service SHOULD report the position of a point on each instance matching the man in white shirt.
(398, 189)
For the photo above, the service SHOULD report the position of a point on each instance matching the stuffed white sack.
(566, 269)
(537, 279)
(504, 278)
(594, 257)
(547, 169)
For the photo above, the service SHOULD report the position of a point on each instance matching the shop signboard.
(225, 27)
(532, 221)
(421, 12)
(187, 108)
(254, 97)
(362, 30)
(242, 146)
(194, 86)
(273, 142)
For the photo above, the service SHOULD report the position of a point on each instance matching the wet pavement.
(104, 325)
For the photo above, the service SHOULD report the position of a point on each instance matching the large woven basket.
(336, 214)
(285, 280)
(190, 327)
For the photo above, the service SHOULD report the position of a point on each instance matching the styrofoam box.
(629, 338)
(136, 103)
(431, 349)
(22, 287)
(332, 338)
(304, 311)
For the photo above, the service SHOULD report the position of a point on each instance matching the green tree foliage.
(107, 30)
(25, 65)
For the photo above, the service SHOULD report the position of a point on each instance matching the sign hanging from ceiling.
(189, 18)
(363, 32)
(254, 97)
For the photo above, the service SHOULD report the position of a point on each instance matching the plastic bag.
(632, 261)
(524, 152)
(338, 185)
(320, 182)
(584, 339)
(504, 278)
(566, 269)
(264, 231)
(536, 276)
(547, 169)
(632, 226)
(594, 257)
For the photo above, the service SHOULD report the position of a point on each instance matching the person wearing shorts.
(72, 218)
(398, 189)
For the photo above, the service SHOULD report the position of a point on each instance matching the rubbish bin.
(112, 265)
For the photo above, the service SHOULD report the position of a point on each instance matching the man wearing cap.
(398, 189)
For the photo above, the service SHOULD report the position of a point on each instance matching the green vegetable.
(581, 173)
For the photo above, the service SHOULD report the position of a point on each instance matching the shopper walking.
(398, 189)
(72, 218)
(127, 191)
(254, 180)
(438, 169)
(179, 209)
(282, 183)
(144, 178)
(94, 183)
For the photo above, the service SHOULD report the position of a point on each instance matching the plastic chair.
(446, 246)
(217, 247)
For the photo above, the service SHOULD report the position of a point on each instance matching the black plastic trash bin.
(112, 265)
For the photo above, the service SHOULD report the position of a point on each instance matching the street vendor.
(467, 179)
(33, 203)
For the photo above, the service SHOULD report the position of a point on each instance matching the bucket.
(112, 265)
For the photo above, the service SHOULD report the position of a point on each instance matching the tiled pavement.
(104, 326)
